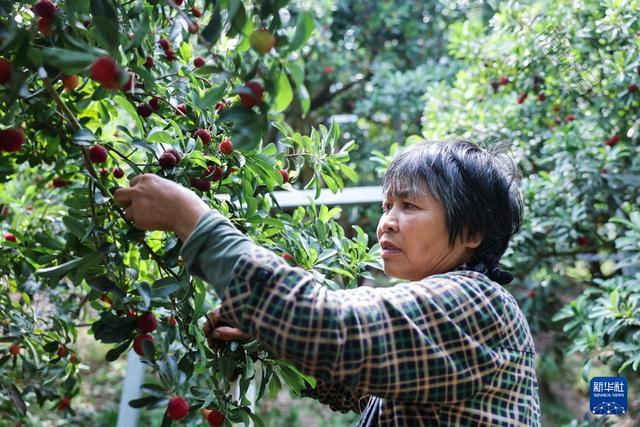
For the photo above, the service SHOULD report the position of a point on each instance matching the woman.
(448, 347)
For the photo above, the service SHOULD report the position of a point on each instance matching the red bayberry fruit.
(200, 184)
(137, 342)
(198, 62)
(5, 71)
(328, 69)
(147, 322)
(254, 96)
(193, 27)
(531, 293)
(633, 88)
(204, 135)
(234, 376)
(215, 418)
(64, 403)
(149, 62)
(10, 237)
(103, 172)
(612, 140)
(45, 9)
(117, 172)
(541, 96)
(170, 55)
(285, 175)
(105, 71)
(58, 182)
(70, 82)
(221, 106)
(155, 103)
(287, 257)
(182, 109)
(167, 160)
(262, 41)
(178, 2)
(164, 44)
(569, 117)
(226, 147)
(522, 97)
(504, 80)
(196, 12)
(61, 351)
(582, 240)
(175, 153)
(11, 139)
(178, 408)
(14, 350)
(44, 26)
(172, 321)
(73, 359)
(144, 109)
(97, 154)
(214, 171)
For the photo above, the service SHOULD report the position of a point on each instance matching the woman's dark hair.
(478, 188)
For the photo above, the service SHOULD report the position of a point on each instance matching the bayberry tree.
(94, 93)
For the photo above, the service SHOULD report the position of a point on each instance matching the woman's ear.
(474, 240)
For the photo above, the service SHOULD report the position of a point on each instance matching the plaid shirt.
(451, 349)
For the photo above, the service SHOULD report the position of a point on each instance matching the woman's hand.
(155, 203)
(216, 330)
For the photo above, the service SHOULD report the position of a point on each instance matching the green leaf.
(105, 22)
(61, 269)
(129, 108)
(304, 28)
(84, 137)
(165, 287)
(103, 284)
(145, 401)
(145, 293)
(115, 352)
(248, 126)
(305, 99)
(212, 31)
(237, 17)
(69, 61)
(211, 97)
(284, 93)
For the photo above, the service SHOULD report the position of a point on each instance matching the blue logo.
(608, 395)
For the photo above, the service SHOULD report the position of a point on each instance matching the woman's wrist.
(187, 217)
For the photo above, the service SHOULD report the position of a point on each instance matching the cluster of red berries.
(170, 158)
(11, 140)
(146, 323)
(169, 54)
(45, 10)
(251, 94)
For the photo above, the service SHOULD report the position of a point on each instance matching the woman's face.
(414, 238)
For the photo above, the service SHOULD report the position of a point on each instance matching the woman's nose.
(388, 222)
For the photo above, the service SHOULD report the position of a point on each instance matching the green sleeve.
(212, 249)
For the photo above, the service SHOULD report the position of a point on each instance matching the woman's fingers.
(228, 333)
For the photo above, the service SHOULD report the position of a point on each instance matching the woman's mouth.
(388, 249)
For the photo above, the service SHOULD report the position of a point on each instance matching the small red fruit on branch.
(522, 97)
(105, 71)
(254, 96)
(137, 342)
(262, 41)
(149, 62)
(170, 55)
(117, 172)
(45, 9)
(287, 257)
(204, 135)
(633, 88)
(144, 110)
(541, 97)
(14, 350)
(70, 83)
(11, 139)
(147, 322)
(328, 69)
(285, 175)
(182, 109)
(215, 418)
(164, 44)
(64, 403)
(612, 140)
(10, 237)
(226, 147)
(5, 71)
(178, 408)
(155, 103)
(198, 62)
(61, 351)
(73, 359)
(167, 160)
(58, 182)
(582, 240)
(98, 154)
(200, 184)
(196, 12)
(504, 80)
(214, 171)
(172, 321)
(44, 26)
(569, 117)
